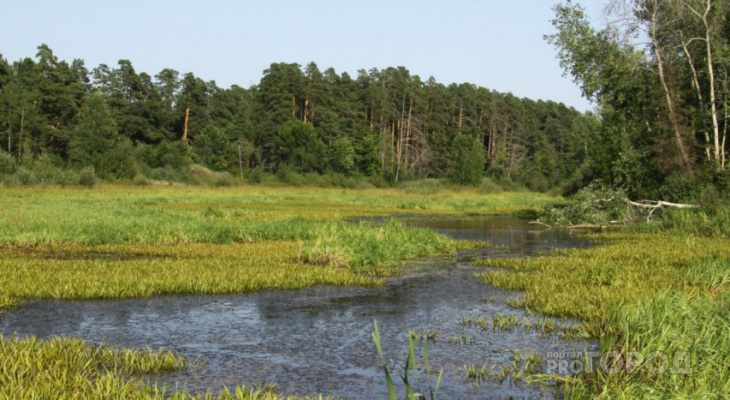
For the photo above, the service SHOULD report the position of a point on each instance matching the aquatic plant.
(411, 393)
(502, 322)
(460, 339)
(429, 335)
(476, 373)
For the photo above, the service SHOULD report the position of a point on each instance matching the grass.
(114, 242)
(64, 368)
(638, 294)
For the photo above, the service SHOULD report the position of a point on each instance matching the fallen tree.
(600, 207)
(654, 205)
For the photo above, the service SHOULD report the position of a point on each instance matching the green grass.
(63, 368)
(638, 293)
(114, 242)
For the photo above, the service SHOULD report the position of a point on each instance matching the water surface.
(318, 340)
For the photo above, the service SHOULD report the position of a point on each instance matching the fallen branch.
(541, 223)
(657, 204)
(585, 226)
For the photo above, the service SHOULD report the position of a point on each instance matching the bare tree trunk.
(674, 121)
(306, 109)
(698, 90)
(240, 161)
(10, 132)
(399, 145)
(409, 129)
(22, 128)
(185, 124)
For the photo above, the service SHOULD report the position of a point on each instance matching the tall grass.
(639, 294)
(63, 368)
(365, 245)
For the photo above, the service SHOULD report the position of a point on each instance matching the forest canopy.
(386, 125)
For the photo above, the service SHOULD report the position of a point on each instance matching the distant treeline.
(386, 124)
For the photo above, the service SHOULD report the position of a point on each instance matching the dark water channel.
(318, 340)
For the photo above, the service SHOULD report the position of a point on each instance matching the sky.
(497, 44)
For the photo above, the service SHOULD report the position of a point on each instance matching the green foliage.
(467, 161)
(342, 156)
(174, 154)
(213, 149)
(297, 145)
(387, 125)
(595, 204)
(368, 155)
(87, 177)
(8, 165)
(96, 143)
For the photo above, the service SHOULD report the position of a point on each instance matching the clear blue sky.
(497, 44)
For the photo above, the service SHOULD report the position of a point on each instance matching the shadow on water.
(318, 340)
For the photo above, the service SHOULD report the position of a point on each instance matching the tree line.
(383, 123)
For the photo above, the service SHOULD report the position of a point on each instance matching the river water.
(318, 340)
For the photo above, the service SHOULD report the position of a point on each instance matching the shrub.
(87, 177)
(594, 204)
(8, 165)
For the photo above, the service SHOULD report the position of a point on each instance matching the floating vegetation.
(460, 339)
(502, 322)
(428, 335)
(475, 373)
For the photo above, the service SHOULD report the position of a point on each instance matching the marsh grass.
(65, 368)
(72, 369)
(117, 242)
(476, 374)
(637, 293)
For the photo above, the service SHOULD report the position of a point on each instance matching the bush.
(287, 175)
(141, 180)
(488, 187)
(8, 165)
(87, 177)
(595, 204)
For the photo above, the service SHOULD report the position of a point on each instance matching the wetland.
(318, 340)
(198, 292)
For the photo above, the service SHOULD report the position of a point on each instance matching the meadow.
(114, 242)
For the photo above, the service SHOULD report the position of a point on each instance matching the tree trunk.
(306, 109)
(22, 127)
(673, 119)
(185, 124)
(711, 74)
(10, 132)
(698, 90)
